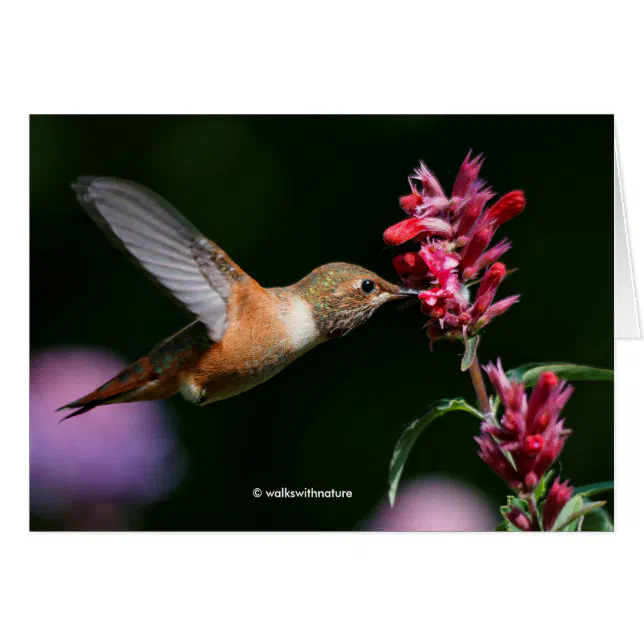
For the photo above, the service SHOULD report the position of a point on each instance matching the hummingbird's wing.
(195, 271)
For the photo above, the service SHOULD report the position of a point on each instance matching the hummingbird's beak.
(405, 292)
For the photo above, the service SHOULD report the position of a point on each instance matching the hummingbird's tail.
(140, 381)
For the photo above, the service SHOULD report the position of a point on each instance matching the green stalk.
(479, 386)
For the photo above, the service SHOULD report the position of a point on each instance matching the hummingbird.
(243, 333)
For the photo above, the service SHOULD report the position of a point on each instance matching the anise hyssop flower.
(454, 235)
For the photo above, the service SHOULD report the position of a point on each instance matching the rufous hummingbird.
(244, 334)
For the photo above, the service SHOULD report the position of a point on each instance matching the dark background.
(284, 194)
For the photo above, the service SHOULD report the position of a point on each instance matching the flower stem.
(479, 385)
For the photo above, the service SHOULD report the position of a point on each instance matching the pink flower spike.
(558, 496)
(454, 233)
(467, 175)
(533, 452)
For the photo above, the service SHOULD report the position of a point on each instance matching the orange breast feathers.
(257, 341)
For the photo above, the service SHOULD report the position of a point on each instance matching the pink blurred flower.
(530, 430)
(434, 505)
(117, 456)
(455, 234)
(558, 495)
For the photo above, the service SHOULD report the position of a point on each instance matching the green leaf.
(569, 524)
(412, 432)
(529, 373)
(564, 521)
(522, 504)
(542, 488)
(501, 526)
(470, 352)
(598, 521)
(595, 488)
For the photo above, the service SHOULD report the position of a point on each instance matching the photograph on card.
(321, 323)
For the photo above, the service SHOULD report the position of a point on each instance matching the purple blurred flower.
(434, 505)
(117, 455)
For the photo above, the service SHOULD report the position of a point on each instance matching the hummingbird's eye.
(367, 286)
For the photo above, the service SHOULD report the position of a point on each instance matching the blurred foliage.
(284, 194)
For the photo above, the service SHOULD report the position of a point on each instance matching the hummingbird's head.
(344, 296)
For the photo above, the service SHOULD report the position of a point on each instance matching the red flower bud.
(470, 273)
(467, 175)
(430, 183)
(481, 305)
(540, 394)
(487, 290)
(549, 379)
(410, 228)
(493, 276)
(470, 210)
(533, 444)
(510, 422)
(508, 206)
(409, 203)
(477, 245)
(403, 231)
(518, 518)
(410, 264)
(541, 422)
(558, 496)
(530, 481)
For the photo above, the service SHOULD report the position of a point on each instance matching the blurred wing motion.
(194, 270)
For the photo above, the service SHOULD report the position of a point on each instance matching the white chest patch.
(301, 325)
